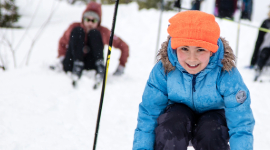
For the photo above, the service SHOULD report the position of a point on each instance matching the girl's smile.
(193, 59)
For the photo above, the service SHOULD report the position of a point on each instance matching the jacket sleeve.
(120, 44)
(63, 43)
(238, 113)
(154, 101)
(117, 43)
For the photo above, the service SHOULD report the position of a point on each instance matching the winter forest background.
(40, 110)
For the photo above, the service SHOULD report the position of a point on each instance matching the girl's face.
(193, 59)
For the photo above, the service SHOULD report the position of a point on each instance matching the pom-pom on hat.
(194, 28)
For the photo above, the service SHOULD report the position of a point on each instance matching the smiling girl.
(195, 93)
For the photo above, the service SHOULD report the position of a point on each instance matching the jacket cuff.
(143, 140)
(241, 142)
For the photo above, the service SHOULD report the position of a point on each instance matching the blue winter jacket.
(212, 88)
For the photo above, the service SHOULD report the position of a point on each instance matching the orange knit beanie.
(194, 28)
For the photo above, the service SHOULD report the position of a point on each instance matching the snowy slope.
(39, 109)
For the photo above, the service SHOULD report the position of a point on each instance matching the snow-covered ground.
(39, 109)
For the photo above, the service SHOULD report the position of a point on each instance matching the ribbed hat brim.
(177, 42)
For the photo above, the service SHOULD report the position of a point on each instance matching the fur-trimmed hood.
(224, 57)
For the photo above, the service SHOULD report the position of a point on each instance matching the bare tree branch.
(12, 51)
(2, 61)
(29, 25)
(9, 43)
(4, 40)
(40, 31)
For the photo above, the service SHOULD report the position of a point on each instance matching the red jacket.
(105, 33)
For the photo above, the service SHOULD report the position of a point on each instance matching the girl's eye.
(201, 50)
(184, 48)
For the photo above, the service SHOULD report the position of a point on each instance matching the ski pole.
(259, 28)
(105, 74)
(252, 26)
(238, 33)
(159, 26)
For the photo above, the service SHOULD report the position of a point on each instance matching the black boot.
(100, 70)
(258, 72)
(77, 71)
(100, 66)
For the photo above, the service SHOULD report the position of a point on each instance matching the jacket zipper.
(193, 89)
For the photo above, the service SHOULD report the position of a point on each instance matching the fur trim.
(229, 58)
(163, 56)
(228, 61)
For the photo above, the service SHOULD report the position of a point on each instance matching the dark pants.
(88, 53)
(224, 14)
(179, 125)
(263, 57)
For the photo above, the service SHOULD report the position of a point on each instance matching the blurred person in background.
(261, 51)
(196, 4)
(247, 9)
(81, 46)
(225, 8)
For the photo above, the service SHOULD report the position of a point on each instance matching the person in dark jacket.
(247, 9)
(225, 8)
(196, 5)
(81, 46)
(261, 51)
